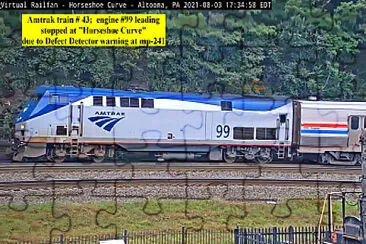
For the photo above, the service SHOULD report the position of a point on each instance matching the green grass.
(37, 221)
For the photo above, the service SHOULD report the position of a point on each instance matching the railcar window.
(266, 134)
(226, 106)
(111, 101)
(243, 133)
(98, 101)
(134, 102)
(147, 103)
(125, 101)
(355, 121)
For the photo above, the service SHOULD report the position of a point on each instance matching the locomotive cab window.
(226, 106)
(59, 99)
(53, 99)
(147, 103)
(355, 121)
(64, 99)
(98, 101)
(111, 101)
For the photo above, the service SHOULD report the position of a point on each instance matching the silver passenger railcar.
(330, 130)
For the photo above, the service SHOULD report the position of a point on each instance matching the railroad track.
(203, 181)
(273, 190)
(181, 166)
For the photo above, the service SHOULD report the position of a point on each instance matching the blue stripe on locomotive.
(317, 131)
(248, 103)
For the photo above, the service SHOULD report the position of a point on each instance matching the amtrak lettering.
(105, 122)
(112, 113)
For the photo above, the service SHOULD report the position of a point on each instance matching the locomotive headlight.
(22, 126)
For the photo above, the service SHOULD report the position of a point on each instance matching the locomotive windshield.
(59, 99)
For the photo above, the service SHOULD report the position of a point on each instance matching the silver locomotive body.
(91, 123)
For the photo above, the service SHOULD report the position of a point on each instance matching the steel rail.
(174, 165)
(181, 180)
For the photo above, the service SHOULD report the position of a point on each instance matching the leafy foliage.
(295, 50)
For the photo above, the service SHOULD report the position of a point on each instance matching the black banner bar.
(138, 5)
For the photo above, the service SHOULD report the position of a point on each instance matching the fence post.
(275, 235)
(236, 235)
(183, 234)
(125, 236)
(291, 234)
(245, 235)
(61, 239)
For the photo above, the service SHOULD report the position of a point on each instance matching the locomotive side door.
(355, 126)
(282, 135)
(208, 126)
(75, 121)
(282, 126)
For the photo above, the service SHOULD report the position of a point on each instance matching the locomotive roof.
(40, 106)
(249, 103)
(150, 94)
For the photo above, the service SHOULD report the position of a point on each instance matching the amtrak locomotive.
(68, 122)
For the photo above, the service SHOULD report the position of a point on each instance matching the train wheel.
(57, 155)
(59, 159)
(99, 154)
(229, 158)
(265, 156)
(98, 159)
(263, 160)
(325, 158)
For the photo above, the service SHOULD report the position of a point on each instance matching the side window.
(134, 102)
(125, 101)
(130, 102)
(282, 118)
(226, 106)
(147, 103)
(111, 101)
(355, 121)
(61, 130)
(98, 101)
